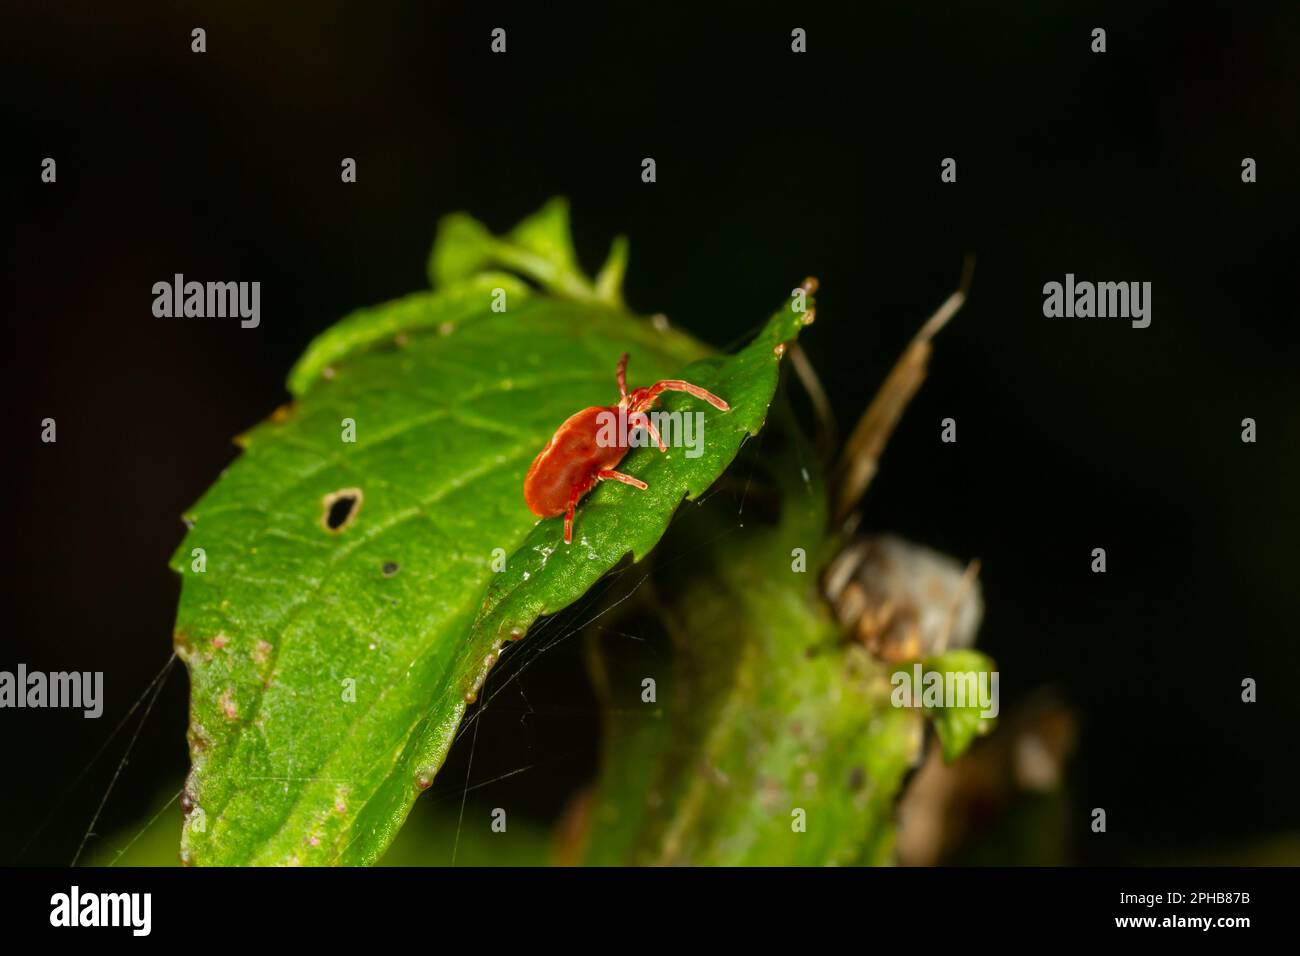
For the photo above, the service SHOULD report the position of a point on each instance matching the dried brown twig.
(861, 457)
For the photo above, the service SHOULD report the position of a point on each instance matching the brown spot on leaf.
(228, 706)
(198, 738)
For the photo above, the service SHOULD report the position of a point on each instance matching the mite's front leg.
(642, 420)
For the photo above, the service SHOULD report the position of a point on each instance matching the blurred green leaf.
(539, 248)
(771, 741)
(957, 726)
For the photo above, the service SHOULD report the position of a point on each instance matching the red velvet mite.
(573, 461)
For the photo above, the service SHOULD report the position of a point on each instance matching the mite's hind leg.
(568, 518)
(619, 476)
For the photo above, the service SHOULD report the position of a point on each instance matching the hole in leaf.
(340, 509)
(390, 568)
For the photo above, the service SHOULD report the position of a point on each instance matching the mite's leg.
(642, 420)
(677, 385)
(619, 476)
(654, 433)
(568, 518)
(621, 375)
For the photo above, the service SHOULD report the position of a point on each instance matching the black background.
(1073, 434)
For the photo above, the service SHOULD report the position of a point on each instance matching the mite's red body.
(574, 461)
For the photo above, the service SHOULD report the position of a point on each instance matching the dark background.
(1073, 434)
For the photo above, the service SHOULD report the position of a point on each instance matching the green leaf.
(431, 836)
(539, 248)
(957, 726)
(385, 325)
(609, 281)
(546, 235)
(330, 669)
(464, 247)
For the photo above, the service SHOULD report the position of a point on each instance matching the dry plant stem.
(862, 451)
(827, 429)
